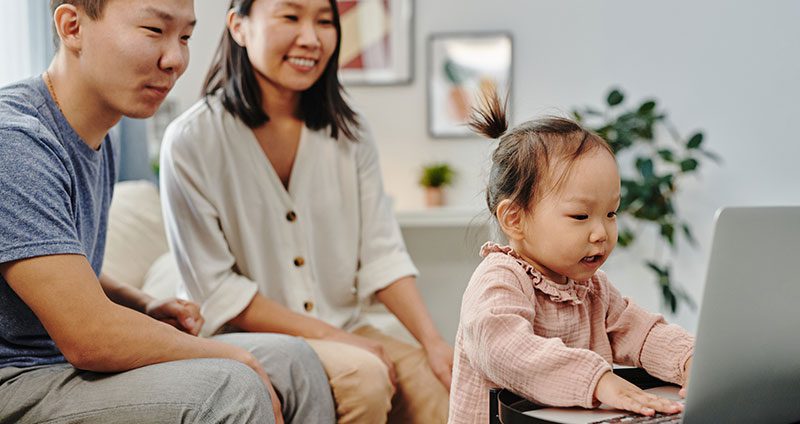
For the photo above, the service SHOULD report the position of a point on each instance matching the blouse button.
(291, 216)
(299, 261)
(308, 305)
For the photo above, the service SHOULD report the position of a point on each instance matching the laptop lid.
(746, 365)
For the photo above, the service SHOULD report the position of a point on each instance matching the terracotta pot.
(434, 197)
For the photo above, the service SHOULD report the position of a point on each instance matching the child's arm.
(644, 339)
(500, 343)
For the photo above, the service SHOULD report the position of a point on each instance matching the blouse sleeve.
(383, 256)
(203, 256)
(500, 342)
(644, 339)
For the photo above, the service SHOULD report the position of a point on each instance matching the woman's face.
(289, 42)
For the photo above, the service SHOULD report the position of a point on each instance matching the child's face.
(571, 231)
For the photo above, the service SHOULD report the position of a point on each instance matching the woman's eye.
(153, 29)
(186, 38)
(579, 217)
(326, 22)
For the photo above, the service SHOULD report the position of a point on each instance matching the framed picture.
(377, 42)
(460, 67)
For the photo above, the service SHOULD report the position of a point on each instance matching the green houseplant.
(434, 178)
(648, 191)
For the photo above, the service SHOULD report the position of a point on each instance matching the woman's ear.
(234, 23)
(511, 219)
(67, 22)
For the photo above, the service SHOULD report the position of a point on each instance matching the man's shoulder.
(21, 115)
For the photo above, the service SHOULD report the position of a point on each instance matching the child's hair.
(526, 154)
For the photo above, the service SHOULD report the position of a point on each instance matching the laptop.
(746, 366)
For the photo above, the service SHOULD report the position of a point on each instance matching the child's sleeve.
(644, 339)
(500, 343)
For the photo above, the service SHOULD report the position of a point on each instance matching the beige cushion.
(136, 236)
(163, 277)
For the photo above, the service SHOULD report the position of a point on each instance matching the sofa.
(137, 252)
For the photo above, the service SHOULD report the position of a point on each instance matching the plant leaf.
(647, 107)
(695, 141)
(615, 97)
(689, 164)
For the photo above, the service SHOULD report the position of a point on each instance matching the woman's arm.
(402, 298)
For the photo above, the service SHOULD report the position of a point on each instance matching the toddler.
(538, 317)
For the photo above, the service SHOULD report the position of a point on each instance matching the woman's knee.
(365, 390)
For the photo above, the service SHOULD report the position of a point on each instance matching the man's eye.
(579, 217)
(153, 29)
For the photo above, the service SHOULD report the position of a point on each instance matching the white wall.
(729, 68)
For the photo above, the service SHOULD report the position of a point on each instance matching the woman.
(276, 214)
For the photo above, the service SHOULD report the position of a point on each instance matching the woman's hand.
(181, 314)
(686, 371)
(621, 394)
(440, 359)
(370, 346)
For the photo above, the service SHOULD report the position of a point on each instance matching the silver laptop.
(746, 366)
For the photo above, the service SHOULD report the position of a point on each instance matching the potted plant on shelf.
(648, 191)
(434, 178)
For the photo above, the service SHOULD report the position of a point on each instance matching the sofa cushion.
(161, 280)
(136, 236)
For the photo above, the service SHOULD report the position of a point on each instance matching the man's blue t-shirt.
(55, 191)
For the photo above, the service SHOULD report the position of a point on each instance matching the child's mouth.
(592, 259)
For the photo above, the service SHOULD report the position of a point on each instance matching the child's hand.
(686, 371)
(621, 394)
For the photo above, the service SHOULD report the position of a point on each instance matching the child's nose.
(598, 234)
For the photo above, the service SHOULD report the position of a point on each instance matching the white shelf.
(441, 217)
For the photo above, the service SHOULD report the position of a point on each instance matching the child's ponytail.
(489, 117)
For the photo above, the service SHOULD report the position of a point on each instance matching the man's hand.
(181, 314)
(440, 359)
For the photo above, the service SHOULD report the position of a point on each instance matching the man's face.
(133, 54)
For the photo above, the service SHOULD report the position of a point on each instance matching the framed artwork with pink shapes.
(377, 42)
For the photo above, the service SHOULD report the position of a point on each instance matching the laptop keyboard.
(635, 419)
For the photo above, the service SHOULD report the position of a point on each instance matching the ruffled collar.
(571, 291)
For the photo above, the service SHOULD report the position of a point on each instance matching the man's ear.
(66, 19)
(234, 23)
(511, 216)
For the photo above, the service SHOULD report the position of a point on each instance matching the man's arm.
(181, 314)
(93, 332)
(124, 294)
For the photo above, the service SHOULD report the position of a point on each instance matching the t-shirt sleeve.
(36, 213)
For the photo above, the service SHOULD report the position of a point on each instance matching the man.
(75, 345)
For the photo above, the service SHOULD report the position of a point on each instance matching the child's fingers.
(658, 404)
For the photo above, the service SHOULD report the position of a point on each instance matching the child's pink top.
(551, 342)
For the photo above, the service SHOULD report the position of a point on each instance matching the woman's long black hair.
(322, 105)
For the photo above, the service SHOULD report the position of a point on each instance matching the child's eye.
(292, 18)
(579, 217)
(326, 22)
(612, 214)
